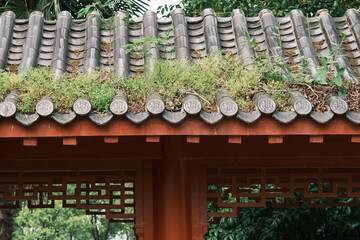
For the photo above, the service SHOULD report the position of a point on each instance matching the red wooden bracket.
(316, 139)
(275, 139)
(355, 139)
(235, 139)
(193, 139)
(69, 141)
(111, 139)
(30, 142)
(152, 139)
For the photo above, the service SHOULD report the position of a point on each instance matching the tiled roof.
(66, 42)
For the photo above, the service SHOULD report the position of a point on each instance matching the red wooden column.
(198, 201)
(144, 201)
(172, 200)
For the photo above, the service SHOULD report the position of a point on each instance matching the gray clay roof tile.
(56, 44)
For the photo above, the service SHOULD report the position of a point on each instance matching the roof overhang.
(191, 126)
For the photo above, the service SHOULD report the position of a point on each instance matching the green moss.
(8, 82)
(33, 84)
(171, 79)
(205, 77)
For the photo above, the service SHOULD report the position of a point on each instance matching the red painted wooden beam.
(156, 126)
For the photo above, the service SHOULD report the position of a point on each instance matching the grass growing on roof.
(33, 84)
(171, 79)
(8, 82)
(205, 77)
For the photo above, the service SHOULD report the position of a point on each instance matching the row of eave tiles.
(197, 32)
(227, 107)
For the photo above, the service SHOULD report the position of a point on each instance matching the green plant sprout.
(144, 45)
(325, 75)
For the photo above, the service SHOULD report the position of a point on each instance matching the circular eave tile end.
(82, 107)
(119, 107)
(267, 106)
(192, 106)
(229, 108)
(303, 107)
(339, 106)
(44, 108)
(155, 106)
(7, 109)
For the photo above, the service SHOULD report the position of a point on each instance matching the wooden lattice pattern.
(110, 193)
(230, 189)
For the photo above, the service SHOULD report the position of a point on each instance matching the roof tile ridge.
(272, 35)
(121, 35)
(63, 28)
(93, 42)
(7, 21)
(182, 41)
(150, 30)
(303, 40)
(334, 42)
(353, 18)
(212, 37)
(271, 32)
(33, 40)
(242, 38)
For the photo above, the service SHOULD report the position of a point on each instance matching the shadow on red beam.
(191, 126)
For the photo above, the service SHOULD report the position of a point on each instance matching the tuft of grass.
(98, 87)
(8, 82)
(279, 91)
(205, 77)
(33, 84)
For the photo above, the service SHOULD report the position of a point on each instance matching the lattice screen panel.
(230, 189)
(103, 193)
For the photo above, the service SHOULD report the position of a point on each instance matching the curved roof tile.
(57, 44)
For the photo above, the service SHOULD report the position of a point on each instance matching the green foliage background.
(322, 223)
(252, 8)
(60, 223)
(51, 8)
